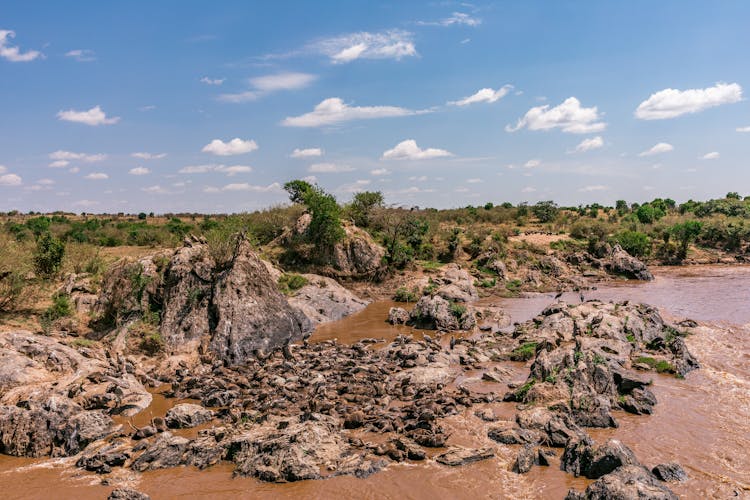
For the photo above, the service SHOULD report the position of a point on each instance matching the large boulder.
(186, 415)
(323, 300)
(625, 483)
(584, 458)
(357, 255)
(436, 313)
(622, 263)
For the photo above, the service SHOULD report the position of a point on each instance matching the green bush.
(634, 242)
(458, 310)
(49, 255)
(524, 352)
(404, 295)
(290, 283)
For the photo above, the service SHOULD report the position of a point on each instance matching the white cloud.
(743, 129)
(597, 187)
(212, 81)
(421, 178)
(354, 187)
(263, 85)
(282, 81)
(45, 182)
(475, 180)
(139, 171)
(13, 53)
(96, 176)
(408, 150)
(155, 190)
(670, 103)
(307, 153)
(149, 156)
(249, 187)
(236, 146)
(85, 203)
(81, 55)
(59, 164)
(203, 169)
(67, 156)
(3, 169)
(662, 147)
(456, 18)
(531, 164)
(94, 117)
(589, 144)
(528, 189)
(74, 170)
(333, 110)
(311, 179)
(328, 168)
(484, 95)
(392, 44)
(380, 171)
(713, 155)
(568, 117)
(10, 180)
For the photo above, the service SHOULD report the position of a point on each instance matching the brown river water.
(702, 421)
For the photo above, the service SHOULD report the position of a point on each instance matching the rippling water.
(703, 421)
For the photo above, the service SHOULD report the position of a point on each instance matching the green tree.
(325, 228)
(622, 207)
(362, 206)
(545, 211)
(48, 255)
(297, 190)
(733, 195)
(634, 242)
(685, 232)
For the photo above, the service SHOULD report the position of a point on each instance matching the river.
(702, 421)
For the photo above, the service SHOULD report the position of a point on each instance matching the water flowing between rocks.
(702, 421)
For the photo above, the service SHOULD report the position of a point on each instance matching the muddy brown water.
(702, 421)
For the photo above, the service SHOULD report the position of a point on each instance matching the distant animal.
(453, 342)
(559, 294)
(582, 297)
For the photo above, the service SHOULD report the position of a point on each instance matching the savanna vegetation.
(38, 249)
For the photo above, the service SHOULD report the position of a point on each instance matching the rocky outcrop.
(323, 300)
(456, 456)
(436, 313)
(186, 415)
(622, 263)
(626, 482)
(584, 458)
(357, 255)
(234, 309)
(670, 472)
(583, 357)
(127, 494)
(398, 316)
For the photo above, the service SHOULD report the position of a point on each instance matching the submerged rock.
(323, 300)
(625, 483)
(622, 263)
(456, 456)
(436, 313)
(185, 415)
(127, 494)
(584, 458)
(670, 472)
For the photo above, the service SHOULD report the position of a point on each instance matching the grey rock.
(186, 415)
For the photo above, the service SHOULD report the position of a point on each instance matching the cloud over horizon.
(671, 103)
(569, 116)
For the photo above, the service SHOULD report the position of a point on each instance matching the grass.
(661, 365)
(522, 391)
(404, 295)
(82, 343)
(290, 283)
(523, 353)
(458, 310)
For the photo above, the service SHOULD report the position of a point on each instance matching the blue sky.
(200, 106)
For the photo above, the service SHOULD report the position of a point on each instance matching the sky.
(191, 106)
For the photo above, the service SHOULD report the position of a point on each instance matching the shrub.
(49, 255)
(635, 243)
(545, 211)
(458, 310)
(404, 295)
(661, 366)
(290, 283)
(362, 206)
(524, 352)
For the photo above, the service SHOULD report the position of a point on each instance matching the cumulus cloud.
(380, 171)
(85, 203)
(354, 187)
(531, 163)
(155, 190)
(455, 19)
(713, 155)
(408, 150)
(236, 146)
(63, 158)
(333, 110)
(94, 117)
(483, 95)
(596, 187)
(13, 53)
(329, 168)
(263, 85)
(81, 55)
(589, 144)
(3, 169)
(212, 81)
(391, 44)
(568, 117)
(96, 176)
(45, 182)
(662, 147)
(670, 103)
(228, 170)
(139, 171)
(528, 189)
(307, 153)
(250, 187)
(10, 180)
(743, 129)
(149, 156)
